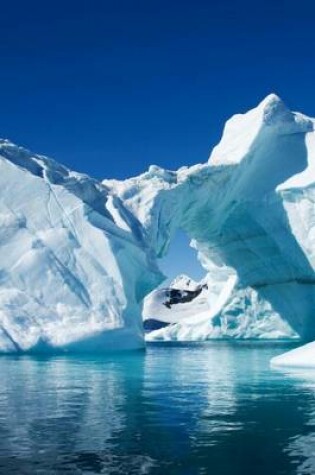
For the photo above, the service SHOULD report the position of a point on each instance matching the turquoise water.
(215, 409)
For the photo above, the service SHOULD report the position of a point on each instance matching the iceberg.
(74, 267)
(249, 214)
(79, 256)
(230, 313)
(183, 298)
(301, 357)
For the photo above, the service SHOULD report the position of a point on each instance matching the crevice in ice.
(10, 338)
(64, 213)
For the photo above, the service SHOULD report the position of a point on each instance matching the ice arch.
(250, 208)
(77, 256)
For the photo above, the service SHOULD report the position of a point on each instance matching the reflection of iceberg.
(301, 447)
(209, 409)
(193, 408)
(69, 415)
(53, 388)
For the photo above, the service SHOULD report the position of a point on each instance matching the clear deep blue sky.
(109, 87)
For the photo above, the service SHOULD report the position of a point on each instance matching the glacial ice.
(249, 213)
(301, 357)
(77, 257)
(183, 298)
(73, 266)
(219, 311)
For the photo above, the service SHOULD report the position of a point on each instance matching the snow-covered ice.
(77, 257)
(73, 265)
(301, 357)
(183, 298)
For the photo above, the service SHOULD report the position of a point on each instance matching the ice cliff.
(74, 266)
(77, 256)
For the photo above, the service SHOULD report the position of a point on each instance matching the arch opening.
(181, 259)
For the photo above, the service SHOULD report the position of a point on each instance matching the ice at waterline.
(77, 257)
(302, 357)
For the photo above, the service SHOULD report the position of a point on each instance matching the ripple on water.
(176, 409)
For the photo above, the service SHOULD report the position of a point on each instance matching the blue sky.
(110, 87)
(181, 259)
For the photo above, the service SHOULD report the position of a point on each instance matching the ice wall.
(74, 266)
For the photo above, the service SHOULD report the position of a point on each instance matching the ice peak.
(275, 111)
(242, 130)
(271, 99)
(5, 142)
(183, 282)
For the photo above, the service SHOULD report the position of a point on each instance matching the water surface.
(213, 408)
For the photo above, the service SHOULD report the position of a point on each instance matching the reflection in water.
(301, 447)
(65, 414)
(185, 409)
